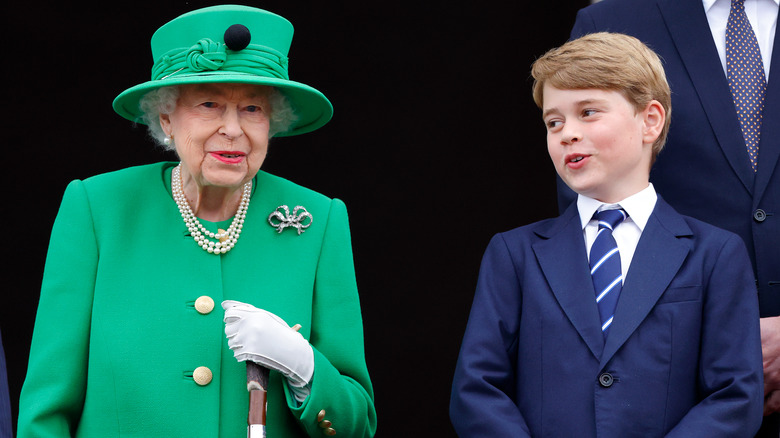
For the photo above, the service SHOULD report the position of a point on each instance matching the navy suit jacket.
(704, 171)
(5, 401)
(683, 355)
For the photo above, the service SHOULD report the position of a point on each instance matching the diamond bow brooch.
(281, 218)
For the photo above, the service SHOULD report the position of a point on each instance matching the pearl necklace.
(226, 240)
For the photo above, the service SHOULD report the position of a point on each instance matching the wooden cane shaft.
(257, 382)
(257, 401)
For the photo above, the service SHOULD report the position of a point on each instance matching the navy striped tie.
(605, 266)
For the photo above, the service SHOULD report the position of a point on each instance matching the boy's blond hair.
(607, 61)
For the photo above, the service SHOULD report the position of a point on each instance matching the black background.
(435, 146)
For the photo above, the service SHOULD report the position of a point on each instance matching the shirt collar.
(639, 206)
(708, 3)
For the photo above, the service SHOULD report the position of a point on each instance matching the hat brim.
(311, 106)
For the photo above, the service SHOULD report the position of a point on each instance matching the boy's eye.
(553, 123)
(588, 112)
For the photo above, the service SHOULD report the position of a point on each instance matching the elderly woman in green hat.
(130, 338)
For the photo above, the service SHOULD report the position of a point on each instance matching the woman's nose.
(231, 124)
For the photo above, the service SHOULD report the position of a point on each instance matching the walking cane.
(257, 384)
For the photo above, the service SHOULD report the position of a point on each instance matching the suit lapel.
(702, 63)
(769, 146)
(658, 257)
(561, 255)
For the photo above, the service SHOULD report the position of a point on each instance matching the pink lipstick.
(228, 157)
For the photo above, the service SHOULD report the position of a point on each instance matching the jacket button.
(204, 305)
(759, 215)
(202, 376)
(329, 431)
(606, 380)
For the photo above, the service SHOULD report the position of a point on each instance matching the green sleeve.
(341, 385)
(53, 393)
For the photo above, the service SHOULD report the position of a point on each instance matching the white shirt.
(638, 206)
(762, 15)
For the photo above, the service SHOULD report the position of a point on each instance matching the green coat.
(117, 336)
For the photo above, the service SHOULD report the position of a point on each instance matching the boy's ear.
(654, 117)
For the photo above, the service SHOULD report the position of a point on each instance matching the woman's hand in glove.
(264, 338)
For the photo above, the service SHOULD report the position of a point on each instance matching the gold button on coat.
(329, 431)
(204, 305)
(202, 376)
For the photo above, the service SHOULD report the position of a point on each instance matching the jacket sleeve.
(341, 386)
(5, 399)
(483, 400)
(730, 367)
(583, 25)
(53, 393)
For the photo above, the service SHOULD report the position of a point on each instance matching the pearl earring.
(167, 141)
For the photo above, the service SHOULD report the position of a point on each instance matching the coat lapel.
(701, 60)
(561, 255)
(769, 146)
(658, 257)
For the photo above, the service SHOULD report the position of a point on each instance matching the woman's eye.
(209, 104)
(253, 108)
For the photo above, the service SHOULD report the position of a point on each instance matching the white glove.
(264, 338)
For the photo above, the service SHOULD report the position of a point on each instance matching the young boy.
(634, 322)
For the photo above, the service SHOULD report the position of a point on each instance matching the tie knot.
(737, 3)
(610, 218)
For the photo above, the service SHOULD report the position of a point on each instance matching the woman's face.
(220, 132)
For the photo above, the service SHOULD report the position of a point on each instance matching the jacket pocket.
(681, 294)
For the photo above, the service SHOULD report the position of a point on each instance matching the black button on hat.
(237, 37)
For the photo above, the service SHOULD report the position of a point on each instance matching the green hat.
(228, 44)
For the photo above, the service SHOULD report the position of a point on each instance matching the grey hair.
(163, 101)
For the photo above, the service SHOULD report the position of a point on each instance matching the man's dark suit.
(704, 171)
(682, 359)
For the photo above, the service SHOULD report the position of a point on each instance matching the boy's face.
(598, 142)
